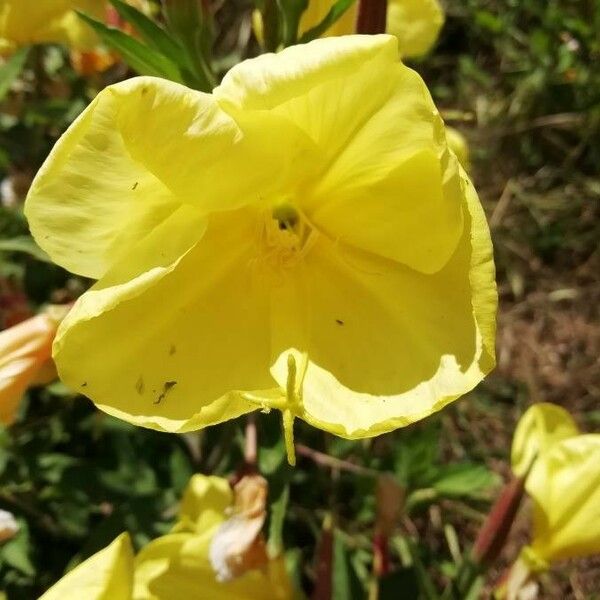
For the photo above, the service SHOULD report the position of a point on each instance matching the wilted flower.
(182, 563)
(8, 526)
(177, 565)
(300, 239)
(238, 544)
(25, 358)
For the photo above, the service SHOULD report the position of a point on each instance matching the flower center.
(286, 236)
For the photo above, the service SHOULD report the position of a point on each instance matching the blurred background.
(520, 79)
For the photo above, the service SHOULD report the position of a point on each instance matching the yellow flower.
(458, 144)
(25, 358)
(541, 427)
(564, 485)
(176, 565)
(24, 22)
(107, 575)
(566, 502)
(300, 239)
(416, 23)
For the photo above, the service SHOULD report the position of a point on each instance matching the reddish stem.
(381, 554)
(494, 532)
(324, 568)
(371, 17)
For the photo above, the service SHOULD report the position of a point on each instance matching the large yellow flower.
(176, 565)
(302, 239)
(416, 23)
(24, 22)
(564, 485)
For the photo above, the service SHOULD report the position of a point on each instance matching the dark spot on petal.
(139, 385)
(167, 387)
(135, 185)
(339, 321)
(172, 350)
(84, 384)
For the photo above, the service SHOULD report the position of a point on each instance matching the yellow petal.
(165, 349)
(107, 575)
(566, 494)
(204, 503)
(177, 566)
(317, 10)
(458, 144)
(142, 149)
(416, 24)
(542, 426)
(377, 136)
(386, 345)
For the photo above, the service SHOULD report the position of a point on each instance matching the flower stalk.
(371, 17)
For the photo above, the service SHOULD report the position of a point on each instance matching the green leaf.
(11, 69)
(278, 510)
(152, 33)
(464, 480)
(180, 468)
(335, 12)
(24, 243)
(345, 583)
(141, 58)
(291, 12)
(16, 551)
(426, 585)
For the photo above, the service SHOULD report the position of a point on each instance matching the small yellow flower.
(182, 564)
(564, 485)
(299, 239)
(24, 22)
(541, 427)
(416, 23)
(25, 358)
(176, 565)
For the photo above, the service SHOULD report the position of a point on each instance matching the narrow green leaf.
(24, 243)
(345, 583)
(291, 12)
(464, 480)
(425, 583)
(141, 58)
(152, 33)
(278, 510)
(335, 12)
(11, 69)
